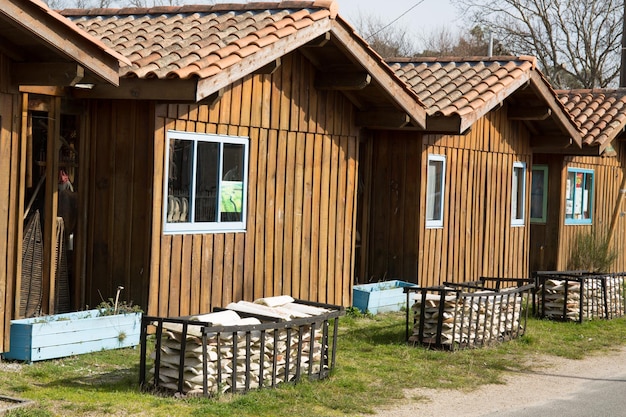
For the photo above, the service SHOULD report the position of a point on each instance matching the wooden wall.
(9, 197)
(301, 198)
(609, 206)
(477, 238)
(119, 200)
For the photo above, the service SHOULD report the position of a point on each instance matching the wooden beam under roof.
(319, 42)
(60, 74)
(140, 89)
(558, 113)
(269, 68)
(382, 75)
(63, 38)
(344, 81)
(529, 113)
(561, 145)
(444, 124)
(382, 119)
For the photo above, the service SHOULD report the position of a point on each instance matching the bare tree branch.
(576, 42)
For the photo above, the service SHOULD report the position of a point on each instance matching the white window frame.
(431, 200)
(538, 195)
(572, 197)
(518, 182)
(217, 226)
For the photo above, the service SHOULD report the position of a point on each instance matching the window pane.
(538, 194)
(207, 181)
(569, 192)
(434, 190)
(587, 181)
(207, 178)
(518, 193)
(231, 201)
(579, 196)
(179, 180)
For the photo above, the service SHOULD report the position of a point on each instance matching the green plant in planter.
(592, 252)
(108, 308)
(112, 307)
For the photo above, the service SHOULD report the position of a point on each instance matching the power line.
(395, 20)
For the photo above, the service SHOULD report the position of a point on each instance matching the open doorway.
(49, 279)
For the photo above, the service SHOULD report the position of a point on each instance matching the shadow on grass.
(376, 332)
(118, 380)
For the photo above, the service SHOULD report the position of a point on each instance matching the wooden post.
(25, 134)
(618, 206)
(51, 205)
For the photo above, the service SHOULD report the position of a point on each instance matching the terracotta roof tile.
(600, 113)
(196, 41)
(467, 84)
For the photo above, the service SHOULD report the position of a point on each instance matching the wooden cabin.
(225, 165)
(590, 183)
(38, 50)
(451, 203)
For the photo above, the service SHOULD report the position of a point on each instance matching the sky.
(426, 17)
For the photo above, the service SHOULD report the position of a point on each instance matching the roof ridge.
(427, 59)
(330, 5)
(604, 90)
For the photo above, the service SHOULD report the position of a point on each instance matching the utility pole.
(622, 70)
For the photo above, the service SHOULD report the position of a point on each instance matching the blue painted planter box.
(380, 297)
(70, 334)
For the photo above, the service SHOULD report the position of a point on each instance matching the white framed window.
(579, 196)
(518, 192)
(206, 182)
(435, 188)
(539, 194)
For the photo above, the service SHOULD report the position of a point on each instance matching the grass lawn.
(373, 367)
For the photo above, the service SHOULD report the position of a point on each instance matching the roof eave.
(210, 85)
(395, 88)
(66, 39)
(559, 114)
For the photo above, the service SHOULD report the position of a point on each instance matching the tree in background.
(576, 42)
(87, 4)
(474, 43)
(388, 40)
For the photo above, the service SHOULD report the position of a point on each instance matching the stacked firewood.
(242, 357)
(467, 320)
(561, 298)
(615, 296)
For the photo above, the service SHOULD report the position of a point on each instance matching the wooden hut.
(225, 165)
(590, 182)
(38, 50)
(452, 203)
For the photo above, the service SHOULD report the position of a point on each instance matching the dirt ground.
(553, 378)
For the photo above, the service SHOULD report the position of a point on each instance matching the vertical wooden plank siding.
(9, 168)
(301, 208)
(119, 200)
(477, 237)
(608, 176)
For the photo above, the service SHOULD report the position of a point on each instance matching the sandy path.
(559, 378)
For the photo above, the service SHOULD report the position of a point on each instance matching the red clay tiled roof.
(461, 86)
(217, 44)
(469, 87)
(197, 41)
(600, 113)
(79, 33)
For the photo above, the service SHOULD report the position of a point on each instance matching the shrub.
(592, 252)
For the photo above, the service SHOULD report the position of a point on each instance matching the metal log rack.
(270, 326)
(465, 297)
(592, 304)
